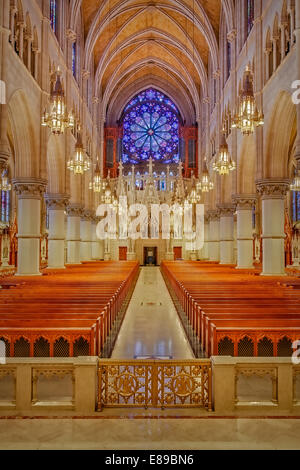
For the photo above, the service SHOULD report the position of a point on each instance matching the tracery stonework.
(273, 188)
(29, 188)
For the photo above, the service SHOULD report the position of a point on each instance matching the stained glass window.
(296, 206)
(151, 129)
(74, 58)
(5, 207)
(53, 11)
(250, 15)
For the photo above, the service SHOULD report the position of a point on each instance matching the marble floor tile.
(151, 326)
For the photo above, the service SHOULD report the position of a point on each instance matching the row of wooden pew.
(64, 313)
(237, 313)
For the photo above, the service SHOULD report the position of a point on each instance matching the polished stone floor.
(151, 326)
(150, 434)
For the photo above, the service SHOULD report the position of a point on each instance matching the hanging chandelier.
(247, 116)
(5, 186)
(205, 184)
(295, 186)
(224, 164)
(80, 163)
(96, 184)
(195, 196)
(57, 119)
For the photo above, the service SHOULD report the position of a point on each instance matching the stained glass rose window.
(151, 129)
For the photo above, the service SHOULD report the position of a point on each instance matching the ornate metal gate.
(154, 384)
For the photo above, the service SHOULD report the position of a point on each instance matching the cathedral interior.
(149, 224)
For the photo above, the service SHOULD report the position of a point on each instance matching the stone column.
(214, 236)
(74, 212)
(56, 204)
(29, 192)
(205, 250)
(96, 251)
(273, 193)
(244, 210)
(86, 236)
(226, 233)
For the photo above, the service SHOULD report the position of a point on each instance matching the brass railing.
(154, 384)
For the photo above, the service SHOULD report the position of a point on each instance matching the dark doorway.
(150, 256)
(123, 253)
(177, 252)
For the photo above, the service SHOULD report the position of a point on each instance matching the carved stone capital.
(244, 201)
(71, 35)
(226, 210)
(74, 210)
(275, 188)
(231, 36)
(214, 216)
(87, 215)
(29, 188)
(56, 202)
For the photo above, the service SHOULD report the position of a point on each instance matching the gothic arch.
(281, 124)
(25, 142)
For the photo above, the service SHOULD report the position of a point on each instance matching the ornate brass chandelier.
(5, 186)
(57, 119)
(295, 186)
(80, 163)
(205, 184)
(96, 184)
(224, 164)
(247, 117)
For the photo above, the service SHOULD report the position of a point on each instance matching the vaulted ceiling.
(161, 43)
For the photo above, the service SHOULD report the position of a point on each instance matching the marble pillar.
(74, 212)
(86, 236)
(56, 204)
(29, 192)
(244, 208)
(226, 233)
(214, 236)
(205, 249)
(273, 193)
(96, 248)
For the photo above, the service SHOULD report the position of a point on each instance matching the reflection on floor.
(150, 434)
(151, 326)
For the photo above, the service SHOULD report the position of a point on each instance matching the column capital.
(29, 188)
(87, 215)
(56, 201)
(71, 35)
(231, 36)
(244, 201)
(226, 210)
(213, 215)
(74, 210)
(273, 188)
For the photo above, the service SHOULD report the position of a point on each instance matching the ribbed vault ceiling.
(164, 43)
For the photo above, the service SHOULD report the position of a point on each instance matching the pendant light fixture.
(224, 164)
(205, 183)
(57, 119)
(80, 163)
(247, 117)
(96, 184)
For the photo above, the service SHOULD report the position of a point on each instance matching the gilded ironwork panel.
(162, 384)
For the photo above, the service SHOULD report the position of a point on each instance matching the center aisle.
(151, 326)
